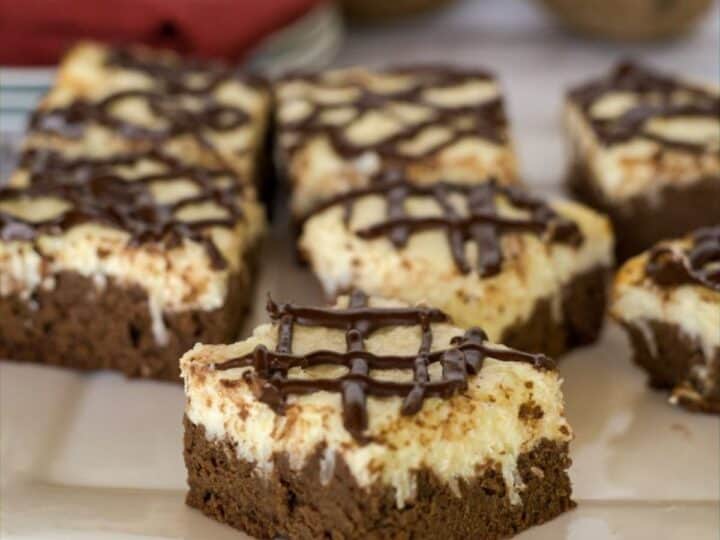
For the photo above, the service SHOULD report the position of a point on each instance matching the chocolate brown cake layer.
(670, 364)
(642, 221)
(78, 325)
(583, 304)
(295, 504)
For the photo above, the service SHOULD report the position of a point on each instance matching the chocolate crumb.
(530, 410)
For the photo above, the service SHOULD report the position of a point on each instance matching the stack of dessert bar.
(424, 403)
(439, 216)
(378, 418)
(130, 228)
(368, 420)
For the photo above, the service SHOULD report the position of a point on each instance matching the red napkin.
(39, 31)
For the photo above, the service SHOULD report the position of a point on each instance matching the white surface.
(97, 457)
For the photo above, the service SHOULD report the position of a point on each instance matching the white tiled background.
(97, 457)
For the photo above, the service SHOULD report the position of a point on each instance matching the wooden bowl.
(629, 19)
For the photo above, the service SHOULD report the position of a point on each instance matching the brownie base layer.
(640, 222)
(294, 504)
(78, 325)
(582, 307)
(674, 361)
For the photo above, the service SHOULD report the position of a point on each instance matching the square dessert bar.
(647, 152)
(668, 300)
(533, 275)
(374, 420)
(346, 128)
(130, 228)
(107, 101)
(123, 263)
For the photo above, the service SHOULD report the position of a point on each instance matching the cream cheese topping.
(424, 270)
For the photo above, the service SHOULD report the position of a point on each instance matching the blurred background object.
(292, 33)
(312, 41)
(383, 10)
(39, 31)
(629, 19)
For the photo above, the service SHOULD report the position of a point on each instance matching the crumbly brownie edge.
(295, 504)
(669, 360)
(582, 304)
(641, 221)
(78, 325)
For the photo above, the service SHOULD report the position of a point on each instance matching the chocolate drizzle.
(700, 264)
(483, 223)
(171, 74)
(485, 120)
(180, 100)
(660, 99)
(96, 193)
(272, 383)
(178, 96)
(177, 119)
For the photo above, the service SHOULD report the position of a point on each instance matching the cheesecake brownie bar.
(128, 232)
(647, 152)
(668, 300)
(532, 274)
(347, 128)
(107, 101)
(374, 420)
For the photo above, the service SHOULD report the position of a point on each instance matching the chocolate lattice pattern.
(700, 264)
(484, 119)
(181, 101)
(482, 223)
(662, 101)
(272, 384)
(96, 193)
